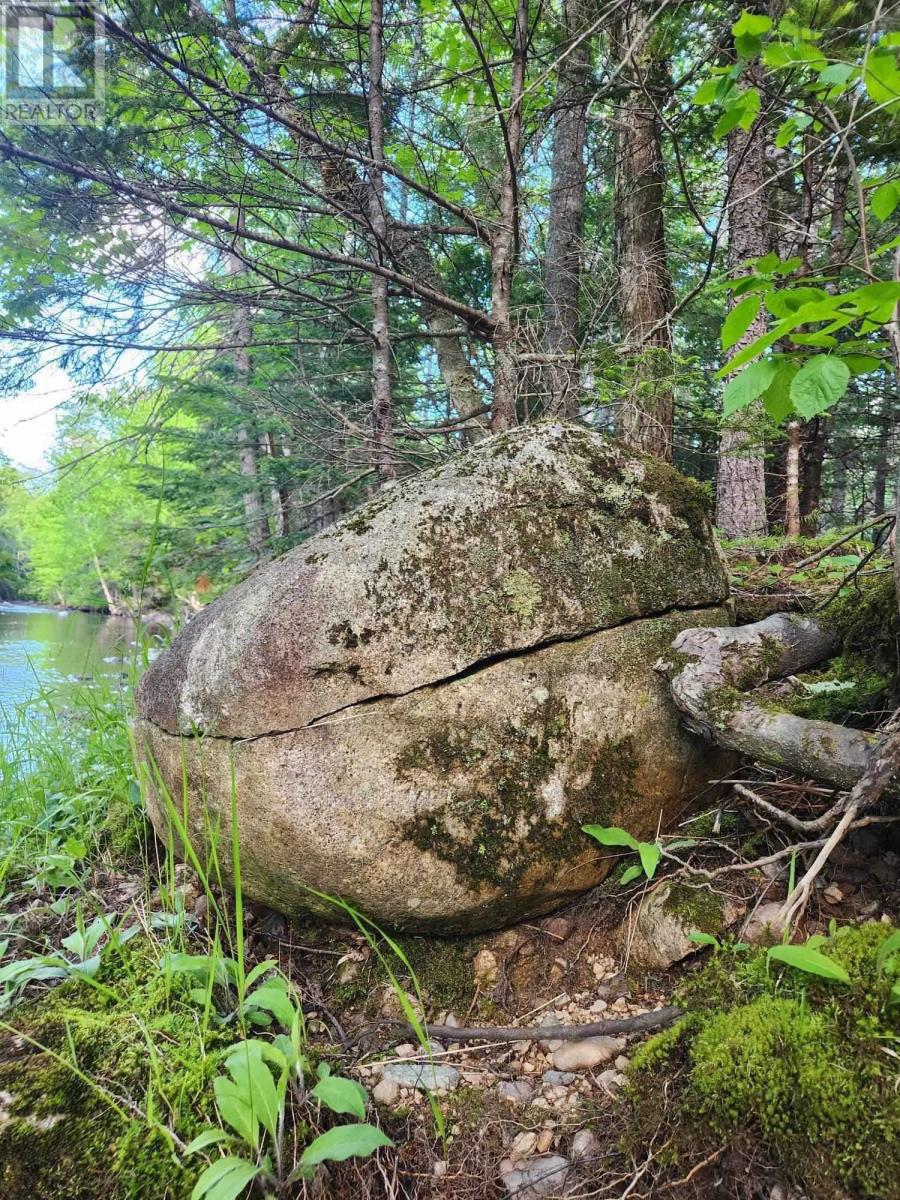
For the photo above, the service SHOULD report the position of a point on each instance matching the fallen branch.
(539, 1033)
(815, 825)
(711, 670)
(882, 768)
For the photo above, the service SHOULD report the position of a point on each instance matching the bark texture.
(505, 239)
(645, 413)
(562, 271)
(382, 401)
(740, 483)
(711, 669)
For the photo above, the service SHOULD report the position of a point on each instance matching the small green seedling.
(649, 853)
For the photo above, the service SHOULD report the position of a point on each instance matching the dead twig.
(785, 818)
(534, 1033)
(883, 765)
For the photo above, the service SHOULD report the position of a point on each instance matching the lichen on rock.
(420, 708)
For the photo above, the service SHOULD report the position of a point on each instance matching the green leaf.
(837, 73)
(611, 835)
(635, 871)
(884, 200)
(341, 1095)
(739, 320)
(706, 93)
(748, 386)
(790, 54)
(224, 1179)
(344, 1141)
(751, 23)
(650, 855)
(887, 949)
(741, 112)
(818, 384)
(882, 78)
(776, 397)
(273, 998)
(235, 1109)
(813, 962)
(208, 1137)
(703, 939)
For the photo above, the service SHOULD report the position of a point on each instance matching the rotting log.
(710, 672)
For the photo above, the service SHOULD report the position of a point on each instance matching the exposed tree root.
(710, 671)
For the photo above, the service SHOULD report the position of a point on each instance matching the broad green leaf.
(818, 384)
(233, 1103)
(254, 1079)
(748, 386)
(740, 113)
(703, 939)
(208, 1137)
(884, 200)
(630, 874)
(786, 301)
(611, 835)
(776, 398)
(751, 23)
(790, 54)
(224, 1179)
(341, 1095)
(812, 961)
(882, 78)
(273, 998)
(837, 73)
(739, 320)
(344, 1141)
(650, 855)
(707, 92)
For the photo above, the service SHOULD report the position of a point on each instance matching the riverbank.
(127, 980)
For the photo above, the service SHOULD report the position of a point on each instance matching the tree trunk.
(505, 240)
(645, 414)
(813, 443)
(792, 482)
(562, 265)
(740, 486)
(242, 337)
(382, 400)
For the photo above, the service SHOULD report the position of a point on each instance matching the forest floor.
(126, 980)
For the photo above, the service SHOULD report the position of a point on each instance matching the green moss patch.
(804, 1066)
(74, 1068)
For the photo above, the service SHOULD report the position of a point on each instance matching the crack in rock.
(472, 669)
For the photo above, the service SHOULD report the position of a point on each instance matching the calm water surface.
(47, 647)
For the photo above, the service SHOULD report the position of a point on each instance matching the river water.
(43, 648)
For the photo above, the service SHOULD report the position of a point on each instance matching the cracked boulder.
(419, 707)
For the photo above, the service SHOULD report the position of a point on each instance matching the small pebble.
(622, 1062)
(584, 1144)
(545, 1176)
(516, 1091)
(386, 1092)
(405, 1050)
(586, 1053)
(544, 1141)
(558, 1078)
(439, 1168)
(523, 1144)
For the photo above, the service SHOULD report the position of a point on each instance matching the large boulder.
(420, 707)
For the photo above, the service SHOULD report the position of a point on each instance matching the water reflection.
(46, 647)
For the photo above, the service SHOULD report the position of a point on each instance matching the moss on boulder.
(420, 707)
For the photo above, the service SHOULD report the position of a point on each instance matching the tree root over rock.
(711, 670)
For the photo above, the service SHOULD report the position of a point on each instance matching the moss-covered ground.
(805, 1067)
